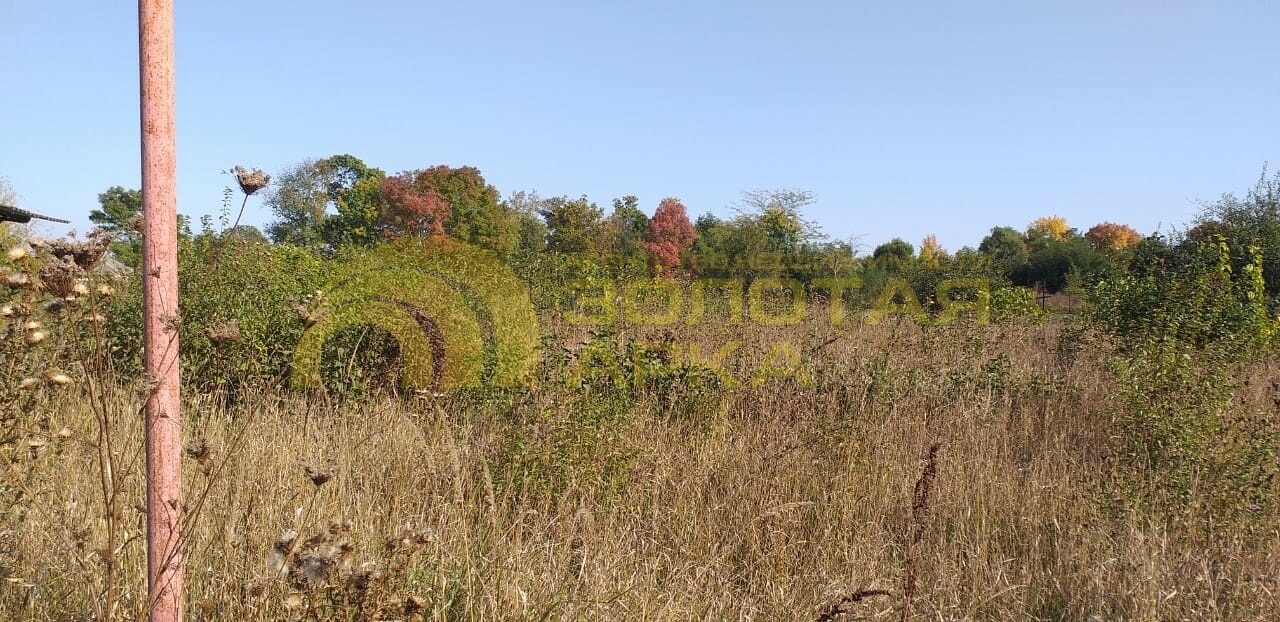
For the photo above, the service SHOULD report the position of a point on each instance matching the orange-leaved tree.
(1109, 236)
(670, 233)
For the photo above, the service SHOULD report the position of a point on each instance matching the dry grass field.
(672, 499)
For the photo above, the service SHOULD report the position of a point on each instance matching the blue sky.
(930, 117)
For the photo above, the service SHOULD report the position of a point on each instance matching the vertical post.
(160, 310)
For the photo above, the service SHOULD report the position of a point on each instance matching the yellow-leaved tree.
(1052, 227)
(931, 253)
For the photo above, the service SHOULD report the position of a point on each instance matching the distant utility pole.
(160, 311)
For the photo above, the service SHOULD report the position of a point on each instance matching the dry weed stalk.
(838, 609)
(919, 516)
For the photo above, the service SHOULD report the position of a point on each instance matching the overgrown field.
(666, 500)
(1117, 462)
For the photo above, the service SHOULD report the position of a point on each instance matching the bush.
(1010, 304)
(240, 307)
(1183, 333)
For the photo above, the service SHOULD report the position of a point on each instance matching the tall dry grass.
(780, 502)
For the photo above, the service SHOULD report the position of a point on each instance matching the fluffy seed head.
(58, 378)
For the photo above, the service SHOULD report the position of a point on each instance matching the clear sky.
(904, 120)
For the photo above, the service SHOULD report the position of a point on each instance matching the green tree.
(895, 252)
(624, 232)
(119, 209)
(246, 234)
(1244, 222)
(572, 224)
(353, 192)
(299, 197)
(707, 247)
(1059, 260)
(525, 208)
(1006, 247)
(778, 214)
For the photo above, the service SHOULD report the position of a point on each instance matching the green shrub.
(240, 307)
(581, 444)
(1010, 304)
(1183, 332)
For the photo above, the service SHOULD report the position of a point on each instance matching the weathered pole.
(160, 310)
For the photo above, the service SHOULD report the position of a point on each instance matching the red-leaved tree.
(408, 209)
(670, 233)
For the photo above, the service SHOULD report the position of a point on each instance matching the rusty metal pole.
(160, 310)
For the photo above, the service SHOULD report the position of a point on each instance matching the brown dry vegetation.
(668, 502)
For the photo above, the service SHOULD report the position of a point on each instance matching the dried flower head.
(412, 605)
(17, 253)
(59, 276)
(278, 558)
(106, 291)
(361, 578)
(250, 181)
(226, 332)
(313, 569)
(199, 450)
(29, 383)
(83, 254)
(57, 377)
(305, 314)
(37, 336)
(318, 477)
(18, 280)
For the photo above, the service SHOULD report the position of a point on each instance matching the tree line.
(336, 203)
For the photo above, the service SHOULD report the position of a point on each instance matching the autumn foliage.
(669, 234)
(1053, 227)
(931, 252)
(1109, 236)
(408, 209)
